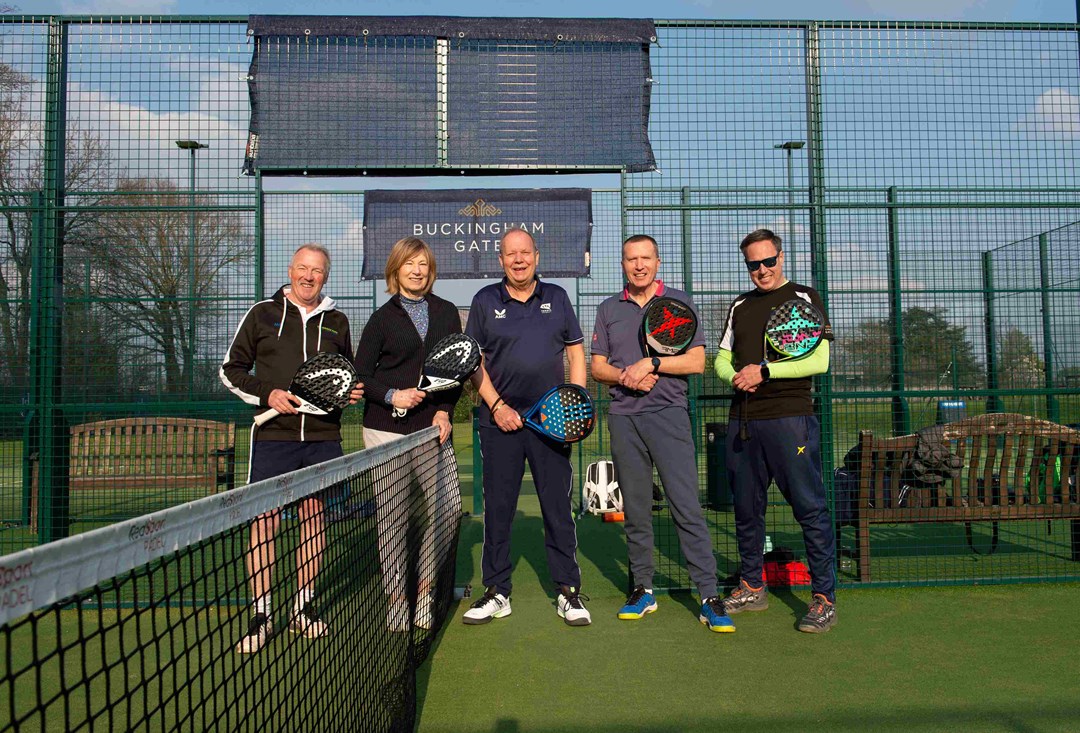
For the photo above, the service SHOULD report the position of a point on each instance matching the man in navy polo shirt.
(650, 426)
(524, 326)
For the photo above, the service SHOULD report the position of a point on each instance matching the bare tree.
(143, 256)
(88, 167)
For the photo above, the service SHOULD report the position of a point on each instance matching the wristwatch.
(765, 371)
(656, 365)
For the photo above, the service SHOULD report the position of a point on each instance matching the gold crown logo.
(480, 208)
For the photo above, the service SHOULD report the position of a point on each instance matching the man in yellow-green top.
(783, 435)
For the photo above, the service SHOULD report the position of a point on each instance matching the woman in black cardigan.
(389, 359)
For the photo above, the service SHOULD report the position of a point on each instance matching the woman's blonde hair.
(403, 251)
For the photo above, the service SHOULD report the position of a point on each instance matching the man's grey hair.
(314, 247)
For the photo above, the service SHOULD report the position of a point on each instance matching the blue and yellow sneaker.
(714, 616)
(638, 603)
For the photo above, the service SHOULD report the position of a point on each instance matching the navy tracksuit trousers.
(787, 450)
(505, 455)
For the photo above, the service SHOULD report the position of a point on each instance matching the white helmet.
(602, 493)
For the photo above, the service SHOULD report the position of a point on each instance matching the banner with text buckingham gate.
(465, 227)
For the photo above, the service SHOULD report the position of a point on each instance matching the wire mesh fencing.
(922, 176)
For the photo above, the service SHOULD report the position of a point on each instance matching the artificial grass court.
(990, 658)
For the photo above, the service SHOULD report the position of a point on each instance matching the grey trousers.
(435, 496)
(663, 439)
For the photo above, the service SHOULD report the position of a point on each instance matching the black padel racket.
(565, 414)
(452, 360)
(667, 327)
(322, 383)
(794, 330)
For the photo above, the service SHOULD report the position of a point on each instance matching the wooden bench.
(1015, 467)
(166, 460)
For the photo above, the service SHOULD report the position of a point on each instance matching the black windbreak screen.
(321, 105)
(339, 95)
(544, 103)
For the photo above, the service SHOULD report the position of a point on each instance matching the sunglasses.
(754, 265)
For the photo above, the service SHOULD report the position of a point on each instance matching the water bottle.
(768, 545)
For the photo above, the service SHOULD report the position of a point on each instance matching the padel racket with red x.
(565, 414)
(794, 330)
(322, 383)
(667, 327)
(452, 360)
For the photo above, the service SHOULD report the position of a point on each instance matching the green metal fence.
(923, 175)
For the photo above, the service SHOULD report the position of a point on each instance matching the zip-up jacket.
(390, 355)
(275, 337)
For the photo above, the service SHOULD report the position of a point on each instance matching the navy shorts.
(270, 458)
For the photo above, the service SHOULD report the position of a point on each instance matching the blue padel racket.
(565, 414)
(794, 330)
(667, 327)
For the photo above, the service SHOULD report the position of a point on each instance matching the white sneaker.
(397, 615)
(425, 611)
(258, 632)
(490, 605)
(307, 623)
(571, 607)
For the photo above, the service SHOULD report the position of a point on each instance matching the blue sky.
(1045, 11)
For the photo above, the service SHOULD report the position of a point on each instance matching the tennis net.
(136, 626)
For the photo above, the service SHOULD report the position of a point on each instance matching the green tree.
(1019, 365)
(936, 352)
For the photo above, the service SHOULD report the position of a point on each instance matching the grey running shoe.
(820, 617)
(745, 598)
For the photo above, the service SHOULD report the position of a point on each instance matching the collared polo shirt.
(523, 343)
(618, 322)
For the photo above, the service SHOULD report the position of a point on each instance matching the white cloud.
(1056, 113)
(146, 139)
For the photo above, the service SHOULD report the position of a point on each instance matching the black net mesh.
(136, 626)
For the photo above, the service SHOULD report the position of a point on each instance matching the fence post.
(695, 380)
(1047, 329)
(260, 238)
(819, 267)
(48, 333)
(901, 412)
(993, 402)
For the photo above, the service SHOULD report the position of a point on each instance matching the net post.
(477, 466)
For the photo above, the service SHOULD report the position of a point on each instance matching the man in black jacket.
(275, 337)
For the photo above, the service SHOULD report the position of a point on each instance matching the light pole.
(789, 146)
(192, 146)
